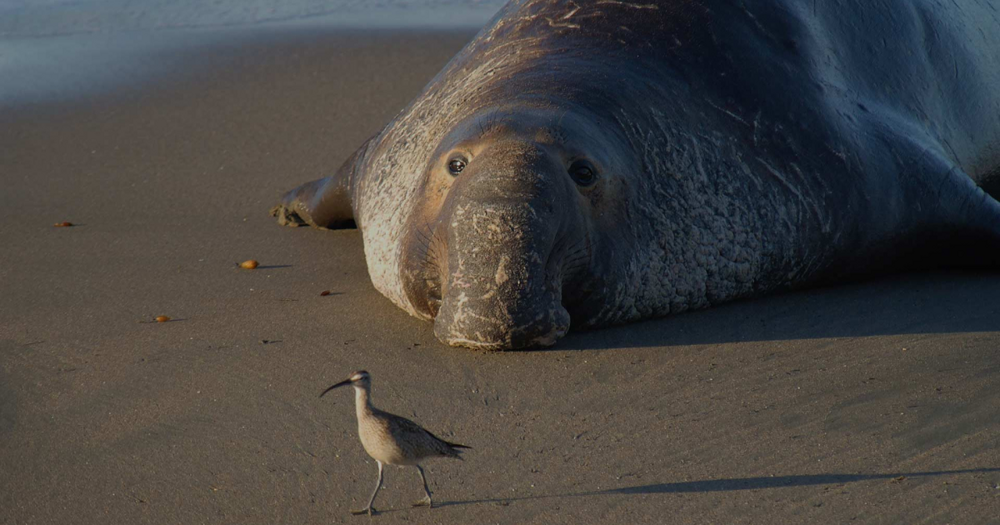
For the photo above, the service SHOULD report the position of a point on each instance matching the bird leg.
(426, 502)
(369, 509)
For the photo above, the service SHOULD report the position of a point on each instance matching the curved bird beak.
(338, 385)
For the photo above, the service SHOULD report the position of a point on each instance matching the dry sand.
(873, 402)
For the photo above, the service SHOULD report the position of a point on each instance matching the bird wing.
(414, 433)
(401, 426)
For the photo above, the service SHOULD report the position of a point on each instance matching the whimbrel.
(392, 439)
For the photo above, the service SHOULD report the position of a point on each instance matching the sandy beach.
(871, 402)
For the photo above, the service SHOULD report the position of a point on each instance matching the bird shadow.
(731, 484)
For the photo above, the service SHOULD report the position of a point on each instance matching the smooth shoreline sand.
(872, 402)
(45, 18)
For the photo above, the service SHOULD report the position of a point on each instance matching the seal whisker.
(581, 259)
(430, 258)
(425, 256)
(580, 252)
(489, 123)
(424, 237)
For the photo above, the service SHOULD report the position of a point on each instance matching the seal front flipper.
(326, 203)
(323, 203)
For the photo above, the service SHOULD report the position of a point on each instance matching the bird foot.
(425, 502)
(369, 511)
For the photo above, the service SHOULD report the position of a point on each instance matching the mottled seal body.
(599, 162)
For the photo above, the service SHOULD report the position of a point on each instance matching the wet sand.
(872, 402)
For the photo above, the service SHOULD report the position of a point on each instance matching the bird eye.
(583, 173)
(456, 165)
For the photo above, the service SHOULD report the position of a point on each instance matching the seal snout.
(502, 289)
(542, 331)
(506, 312)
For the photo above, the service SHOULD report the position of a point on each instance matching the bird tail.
(450, 449)
(454, 448)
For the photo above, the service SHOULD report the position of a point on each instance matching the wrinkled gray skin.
(737, 148)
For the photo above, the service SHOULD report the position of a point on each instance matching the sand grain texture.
(873, 402)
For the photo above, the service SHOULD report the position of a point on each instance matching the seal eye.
(583, 173)
(456, 165)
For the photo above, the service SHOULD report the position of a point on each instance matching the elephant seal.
(593, 162)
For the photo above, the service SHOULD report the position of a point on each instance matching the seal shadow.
(909, 303)
(733, 484)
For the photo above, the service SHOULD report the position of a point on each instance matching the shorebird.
(391, 439)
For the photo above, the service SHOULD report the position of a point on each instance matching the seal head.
(506, 238)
